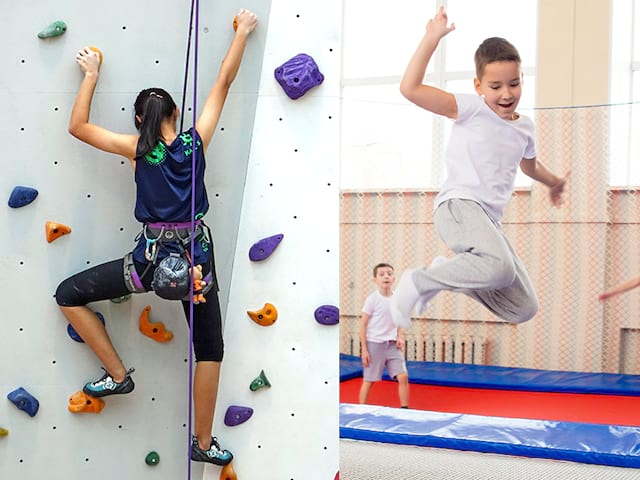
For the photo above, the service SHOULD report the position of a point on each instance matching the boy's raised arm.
(430, 98)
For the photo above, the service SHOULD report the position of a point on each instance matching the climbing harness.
(171, 277)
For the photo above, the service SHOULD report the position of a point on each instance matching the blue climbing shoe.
(215, 454)
(106, 386)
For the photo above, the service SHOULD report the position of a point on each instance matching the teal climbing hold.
(24, 401)
(56, 29)
(21, 196)
(259, 382)
(152, 458)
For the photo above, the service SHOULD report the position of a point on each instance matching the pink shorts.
(383, 355)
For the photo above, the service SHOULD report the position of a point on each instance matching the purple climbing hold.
(72, 331)
(327, 315)
(236, 415)
(298, 75)
(21, 196)
(24, 401)
(265, 247)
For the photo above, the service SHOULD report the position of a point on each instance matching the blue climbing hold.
(236, 415)
(265, 247)
(74, 335)
(298, 75)
(327, 315)
(24, 401)
(21, 196)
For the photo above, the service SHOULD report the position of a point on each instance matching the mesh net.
(572, 253)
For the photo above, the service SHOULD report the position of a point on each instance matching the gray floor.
(381, 461)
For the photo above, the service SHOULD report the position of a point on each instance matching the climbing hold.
(97, 50)
(21, 196)
(298, 75)
(228, 473)
(3, 432)
(152, 458)
(155, 330)
(327, 315)
(24, 401)
(266, 316)
(259, 382)
(121, 299)
(265, 247)
(56, 230)
(235, 23)
(72, 331)
(80, 402)
(236, 415)
(337, 477)
(56, 29)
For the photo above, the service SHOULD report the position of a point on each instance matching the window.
(624, 93)
(388, 142)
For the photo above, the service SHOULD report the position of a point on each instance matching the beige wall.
(573, 52)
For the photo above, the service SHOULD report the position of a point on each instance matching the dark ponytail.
(151, 107)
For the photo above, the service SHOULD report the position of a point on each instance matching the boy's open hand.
(556, 190)
(437, 26)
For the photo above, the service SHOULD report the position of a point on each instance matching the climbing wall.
(272, 169)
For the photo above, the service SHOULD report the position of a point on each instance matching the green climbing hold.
(259, 382)
(56, 29)
(3, 432)
(152, 459)
(121, 299)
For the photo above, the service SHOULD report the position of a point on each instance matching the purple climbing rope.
(192, 26)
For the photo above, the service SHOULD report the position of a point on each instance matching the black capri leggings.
(106, 281)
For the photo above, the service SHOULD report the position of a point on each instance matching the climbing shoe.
(215, 454)
(107, 386)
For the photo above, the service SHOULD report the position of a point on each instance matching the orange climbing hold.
(228, 473)
(56, 230)
(97, 50)
(154, 330)
(266, 316)
(80, 402)
(235, 23)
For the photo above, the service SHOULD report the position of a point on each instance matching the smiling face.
(501, 87)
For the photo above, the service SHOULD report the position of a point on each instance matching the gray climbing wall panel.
(272, 168)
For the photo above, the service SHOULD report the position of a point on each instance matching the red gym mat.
(568, 407)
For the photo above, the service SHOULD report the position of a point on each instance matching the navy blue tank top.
(163, 180)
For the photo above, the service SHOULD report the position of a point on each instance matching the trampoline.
(581, 417)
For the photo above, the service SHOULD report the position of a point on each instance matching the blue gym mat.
(505, 378)
(611, 445)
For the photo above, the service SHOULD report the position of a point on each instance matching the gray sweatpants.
(485, 266)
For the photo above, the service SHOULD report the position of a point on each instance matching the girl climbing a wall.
(161, 158)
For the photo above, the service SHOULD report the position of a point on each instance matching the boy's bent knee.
(525, 314)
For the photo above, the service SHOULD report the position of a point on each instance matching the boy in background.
(382, 343)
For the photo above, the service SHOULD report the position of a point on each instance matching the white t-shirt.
(380, 327)
(483, 155)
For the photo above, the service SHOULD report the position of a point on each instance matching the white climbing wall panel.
(272, 168)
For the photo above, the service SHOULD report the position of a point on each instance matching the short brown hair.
(380, 265)
(494, 49)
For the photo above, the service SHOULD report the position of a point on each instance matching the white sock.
(423, 301)
(404, 298)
